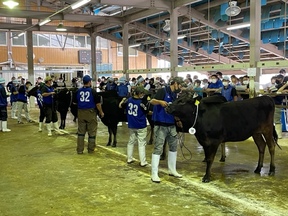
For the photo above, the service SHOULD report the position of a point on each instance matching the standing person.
(136, 115)
(88, 101)
(22, 102)
(13, 98)
(47, 92)
(122, 88)
(3, 107)
(228, 91)
(165, 128)
(10, 84)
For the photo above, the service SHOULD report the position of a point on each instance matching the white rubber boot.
(56, 128)
(130, 154)
(154, 168)
(172, 157)
(142, 156)
(4, 127)
(48, 125)
(278, 128)
(40, 126)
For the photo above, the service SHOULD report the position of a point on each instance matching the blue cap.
(87, 79)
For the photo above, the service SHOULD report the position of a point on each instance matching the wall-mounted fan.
(233, 9)
(166, 27)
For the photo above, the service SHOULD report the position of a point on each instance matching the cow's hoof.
(108, 144)
(206, 179)
(222, 159)
(271, 173)
(257, 171)
(204, 160)
(114, 145)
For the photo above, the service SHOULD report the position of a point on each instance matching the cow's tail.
(275, 137)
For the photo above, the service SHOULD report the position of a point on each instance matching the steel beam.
(152, 31)
(60, 16)
(149, 4)
(192, 13)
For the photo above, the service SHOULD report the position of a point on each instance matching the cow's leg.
(210, 152)
(223, 154)
(114, 131)
(261, 144)
(149, 118)
(271, 146)
(110, 136)
(163, 155)
(63, 115)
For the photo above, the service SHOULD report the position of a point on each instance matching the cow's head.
(184, 109)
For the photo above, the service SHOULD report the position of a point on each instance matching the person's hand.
(164, 104)
(102, 114)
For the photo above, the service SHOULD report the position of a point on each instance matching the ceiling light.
(79, 4)
(20, 34)
(233, 27)
(179, 37)
(135, 45)
(61, 27)
(45, 21)
(10, 3)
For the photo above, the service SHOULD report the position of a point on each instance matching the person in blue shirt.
(13, 98)
(197, 88)
(215, 85)
(47, 92)
(165, 128)
(136, 115)
(88, 101)
(122, 88)
(3, 107)
(228, 91)
(22, 100)
(111, 85)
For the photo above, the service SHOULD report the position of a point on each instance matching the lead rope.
(181, 137)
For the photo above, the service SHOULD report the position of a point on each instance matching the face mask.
(196, 85)
(225, 83)
(213, 80)
(245, 82)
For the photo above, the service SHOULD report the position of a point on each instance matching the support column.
(94, 73)
(173, 39)
(255, 38)
(30, 59)
(148, 64)
(125, 50)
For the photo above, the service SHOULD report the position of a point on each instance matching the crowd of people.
(132, 92)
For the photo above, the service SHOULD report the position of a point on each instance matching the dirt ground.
(43, 175)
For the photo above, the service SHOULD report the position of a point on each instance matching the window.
(3, 38)
(132, 52)
(35, 40)
(18, 41)
(56, 40)
(44, 39)
(101, 43)
(80, 41)
(88, 42)
(69, 41)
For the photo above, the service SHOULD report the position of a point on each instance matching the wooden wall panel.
(69, 56)
(3, 54)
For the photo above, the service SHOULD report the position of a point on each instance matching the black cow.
(113, 115)
(217, 121)
(63, 101)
